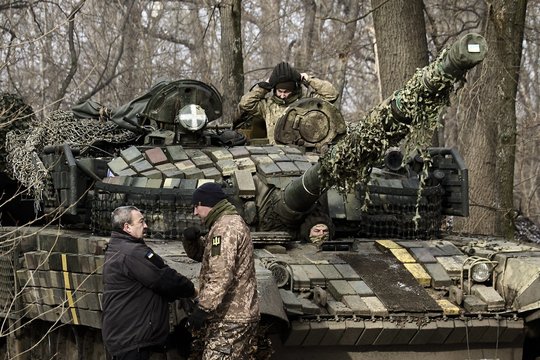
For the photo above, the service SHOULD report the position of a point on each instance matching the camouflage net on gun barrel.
(60, 127)
(350, 161)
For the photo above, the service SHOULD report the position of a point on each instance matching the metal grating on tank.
(389, 280)
(8, 262)
(167, 211)
(394, 212)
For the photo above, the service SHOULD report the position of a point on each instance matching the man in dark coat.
(138, 286)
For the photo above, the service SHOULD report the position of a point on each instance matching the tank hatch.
(311, 123)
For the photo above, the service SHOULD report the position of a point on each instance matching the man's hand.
(304, 77)
(266, 85)
(192, 233)
(197, 319)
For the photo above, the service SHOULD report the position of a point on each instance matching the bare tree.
(74, 56)
(129, 61)
(351, 10)
(527, 173)
(232, 61)
(487, 120)
(271, 52)
(309, 35)
(401, 41)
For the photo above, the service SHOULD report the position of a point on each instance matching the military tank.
(384, 282)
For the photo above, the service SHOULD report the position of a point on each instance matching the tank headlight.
(192, 117)
(481, 272)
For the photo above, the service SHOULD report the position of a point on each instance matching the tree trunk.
(305, 51)
(343, 52)
(400, 31)
(487, 121)
(200, 49)
(527, 172)
(272, 51)
(74, 57)
(129, 81)
(232, 62)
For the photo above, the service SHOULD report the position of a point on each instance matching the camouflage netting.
(421, 100)
(60, 127)
(14, 115)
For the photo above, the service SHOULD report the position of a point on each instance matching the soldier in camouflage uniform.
(286, 83)
(227, 312)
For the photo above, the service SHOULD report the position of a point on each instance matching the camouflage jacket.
(227, 282)
(271, 108)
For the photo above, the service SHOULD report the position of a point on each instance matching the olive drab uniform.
(257, 104)
(227, 287)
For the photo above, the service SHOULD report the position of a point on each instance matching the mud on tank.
(386, 282)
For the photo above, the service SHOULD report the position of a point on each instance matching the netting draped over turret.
(14, 115)
(60, 127)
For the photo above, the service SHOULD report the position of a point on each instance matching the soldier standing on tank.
(286, 84)
(138, 287)
(227, 314)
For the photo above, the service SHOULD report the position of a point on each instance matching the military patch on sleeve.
(154, 258)
(216, 245)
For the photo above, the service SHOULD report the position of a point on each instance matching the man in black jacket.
(138, 286)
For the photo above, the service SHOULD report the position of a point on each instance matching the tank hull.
(399, 353)
(77, 343)
(360, 303)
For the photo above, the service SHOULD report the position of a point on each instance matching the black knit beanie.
(208, 194)
(285, 76)
(288, 85)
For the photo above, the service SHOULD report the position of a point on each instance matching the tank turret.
(350, 160)
(384, 279)
(163, 147)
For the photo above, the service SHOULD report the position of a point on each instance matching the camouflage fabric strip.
(349, 162)
(227, 340)
(60, 127)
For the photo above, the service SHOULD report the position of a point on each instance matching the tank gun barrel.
(464, 54)
(308, 185)
(415, 107)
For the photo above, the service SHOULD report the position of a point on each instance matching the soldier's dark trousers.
(140, 354)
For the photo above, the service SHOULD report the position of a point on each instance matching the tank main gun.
(415, 107)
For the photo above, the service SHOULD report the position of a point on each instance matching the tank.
(387, 281)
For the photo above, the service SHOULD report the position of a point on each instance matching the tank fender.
(270, 302)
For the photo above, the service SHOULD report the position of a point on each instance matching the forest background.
(56, 54)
